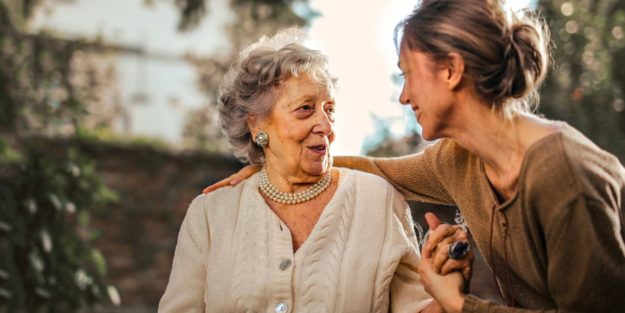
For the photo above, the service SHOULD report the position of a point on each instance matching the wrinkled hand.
(234, 179)
(436, 247)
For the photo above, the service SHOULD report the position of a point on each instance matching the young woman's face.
(426, 91)
(300, 127)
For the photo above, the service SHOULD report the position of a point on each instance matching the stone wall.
(138, 234)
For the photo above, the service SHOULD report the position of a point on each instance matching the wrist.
(456, 304)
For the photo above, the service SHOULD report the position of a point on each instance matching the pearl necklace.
(292, 198)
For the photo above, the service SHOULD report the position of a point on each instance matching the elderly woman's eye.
(306, 108)
(329, 107)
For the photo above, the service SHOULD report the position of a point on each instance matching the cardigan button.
(285, 264)
(282, 307)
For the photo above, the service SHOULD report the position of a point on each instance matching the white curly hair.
(249, 86)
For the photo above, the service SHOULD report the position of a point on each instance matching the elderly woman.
(300, 235)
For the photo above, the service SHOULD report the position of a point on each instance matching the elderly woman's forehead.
(311, 78)
(304, 86)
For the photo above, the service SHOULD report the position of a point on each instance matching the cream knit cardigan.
(235, 255)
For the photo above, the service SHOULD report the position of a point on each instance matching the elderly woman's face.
(300, 127)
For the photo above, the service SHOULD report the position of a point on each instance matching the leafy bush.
(47, 263)
(46, 195)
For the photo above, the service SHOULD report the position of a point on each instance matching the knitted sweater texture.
(235, 255)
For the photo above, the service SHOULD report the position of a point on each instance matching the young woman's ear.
(455, 70)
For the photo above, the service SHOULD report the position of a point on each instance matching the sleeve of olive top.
(416, 176)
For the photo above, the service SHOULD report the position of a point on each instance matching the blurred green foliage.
(47, 263)
(586, 88)
(280, 12)
(105, 134)
(46, 194)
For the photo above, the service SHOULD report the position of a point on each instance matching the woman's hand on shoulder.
(234, 179)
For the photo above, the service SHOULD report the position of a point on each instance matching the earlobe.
(455, 70)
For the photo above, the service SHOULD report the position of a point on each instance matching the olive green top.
(557, 245)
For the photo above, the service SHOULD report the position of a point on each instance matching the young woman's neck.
(499, 142)
(491, 137)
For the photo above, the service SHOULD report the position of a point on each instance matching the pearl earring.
(261, 139)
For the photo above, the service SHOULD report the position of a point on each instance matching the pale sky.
(357, 36)
(359, 42)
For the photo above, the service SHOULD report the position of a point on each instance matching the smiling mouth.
(321, 149)
(415, 109)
